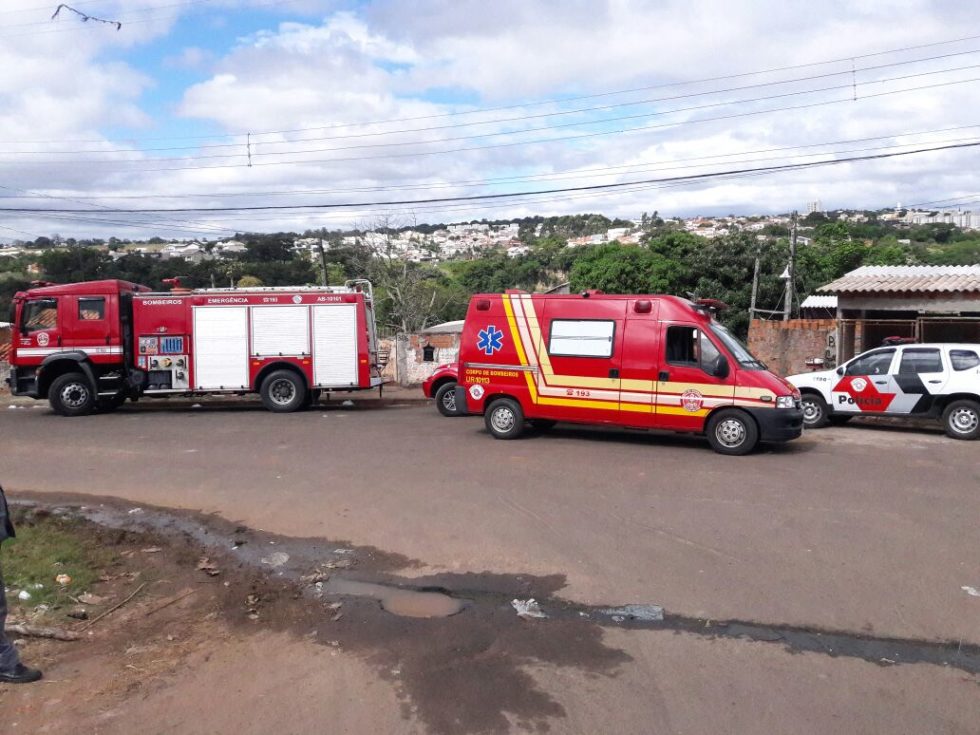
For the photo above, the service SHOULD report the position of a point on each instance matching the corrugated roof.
(819, 302)
(908, 278)
(454, 327)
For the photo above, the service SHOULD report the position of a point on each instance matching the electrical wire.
(511, 195)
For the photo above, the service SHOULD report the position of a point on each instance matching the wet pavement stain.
(465, 672)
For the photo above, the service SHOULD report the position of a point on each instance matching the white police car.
(922, 380)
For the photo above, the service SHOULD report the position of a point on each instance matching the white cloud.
(393, 60)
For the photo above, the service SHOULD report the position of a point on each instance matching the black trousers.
(8, 654)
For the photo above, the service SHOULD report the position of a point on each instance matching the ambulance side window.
(682, 346)
(38, 315)
(582, 338)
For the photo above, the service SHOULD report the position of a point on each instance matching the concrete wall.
(406, 356)
(786, 346)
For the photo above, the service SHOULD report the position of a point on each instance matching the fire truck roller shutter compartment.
(280, 330)
(335, 345)
(220, 347)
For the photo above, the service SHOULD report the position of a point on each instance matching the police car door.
(867, 385)
(919, 377)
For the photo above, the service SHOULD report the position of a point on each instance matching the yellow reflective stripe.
(519, 345)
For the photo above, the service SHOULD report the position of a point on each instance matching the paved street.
(861, 529)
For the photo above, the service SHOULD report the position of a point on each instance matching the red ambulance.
(651, 362)
(90, 346)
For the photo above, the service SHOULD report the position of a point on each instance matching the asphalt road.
(868, 530)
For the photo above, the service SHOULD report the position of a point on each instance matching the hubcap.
(449, 400)
(74, 395)
(502, 419)
(964, 420)
(730, 433)
(811, 411)
(282, 392)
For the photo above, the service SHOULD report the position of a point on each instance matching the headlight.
(785, 402)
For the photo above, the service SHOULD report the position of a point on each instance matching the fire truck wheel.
(815, 412)
(961, 419)
(446, 399)
(505, 419)
(71, 395)
(732, 432)
(283, 391)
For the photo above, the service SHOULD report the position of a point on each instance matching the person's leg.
(8, 654)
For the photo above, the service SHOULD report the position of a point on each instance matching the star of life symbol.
(491, 340)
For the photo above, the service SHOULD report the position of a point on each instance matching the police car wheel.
(283, 391)
(446, 399)
(732, 432)
(815, 414)
(961, 420)
(71, 395)
(504, 419)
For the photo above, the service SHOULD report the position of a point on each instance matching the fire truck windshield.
(739, 351)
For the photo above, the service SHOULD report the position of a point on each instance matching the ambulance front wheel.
(504, 419)
(283, 391)
(732, 432)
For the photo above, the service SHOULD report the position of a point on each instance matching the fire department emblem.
(43, 339)
(490, 340)
(692, 400)
(476, 391)
(859, 384)
(297, 299)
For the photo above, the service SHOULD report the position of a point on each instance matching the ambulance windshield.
(739, 351)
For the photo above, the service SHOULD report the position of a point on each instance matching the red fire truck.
(90, 346)
(652, 362)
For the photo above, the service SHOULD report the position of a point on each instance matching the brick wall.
(406, 356)
(786, 346)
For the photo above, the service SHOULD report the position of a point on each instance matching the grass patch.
(45, 548)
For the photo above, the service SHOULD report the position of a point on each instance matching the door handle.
(613, 373)
(881, 382)
(664, 376)
(935, 382)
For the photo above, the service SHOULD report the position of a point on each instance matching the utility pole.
(791, 274)
(323, 262)
(755, 287)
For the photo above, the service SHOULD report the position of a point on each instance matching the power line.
(592, 187)
(554, 101)
(239, 146)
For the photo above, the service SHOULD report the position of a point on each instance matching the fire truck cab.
(90, 346)
(649, 362)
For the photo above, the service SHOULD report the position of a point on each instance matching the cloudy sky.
(263, 103)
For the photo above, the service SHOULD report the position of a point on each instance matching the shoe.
(20, 675)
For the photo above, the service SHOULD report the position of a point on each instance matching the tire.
(839, 419)
(283, 391)
(961, 419)
(543, 424)
(504, 419)
(72, 394)
(446, 399)
(732, 432)
(816, 415)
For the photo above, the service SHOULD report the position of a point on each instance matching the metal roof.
(455, 327)
(907, 278)
(819, 302)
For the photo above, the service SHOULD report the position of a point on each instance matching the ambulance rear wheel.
(504, 419)
(732, 432)
(961, 420)
(446, 399)
(815, 412)
(71, 394)
(283, 391)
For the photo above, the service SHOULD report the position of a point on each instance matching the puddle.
(398, 601)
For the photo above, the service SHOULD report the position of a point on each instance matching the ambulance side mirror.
(721, 367)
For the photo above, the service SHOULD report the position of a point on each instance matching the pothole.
(407, 603)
